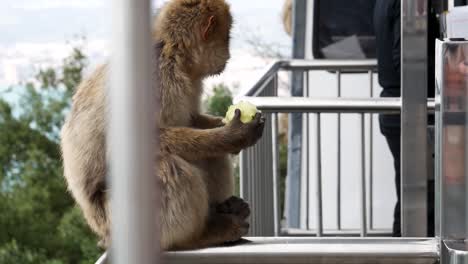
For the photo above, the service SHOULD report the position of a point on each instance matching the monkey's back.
(83, 149)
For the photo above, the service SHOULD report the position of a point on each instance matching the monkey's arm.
(203, 121)
(196, 144)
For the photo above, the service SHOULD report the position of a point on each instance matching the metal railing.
(259, 164)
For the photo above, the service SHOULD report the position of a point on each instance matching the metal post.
(132, 138)
(451, 150)
(414, 118)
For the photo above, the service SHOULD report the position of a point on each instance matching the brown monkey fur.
(198, 210)
(286, 14)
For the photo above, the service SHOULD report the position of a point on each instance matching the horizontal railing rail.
(309, 65)
(328, 105)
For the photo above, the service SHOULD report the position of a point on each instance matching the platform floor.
(297, 250)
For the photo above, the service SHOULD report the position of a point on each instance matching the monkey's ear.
(208, 28)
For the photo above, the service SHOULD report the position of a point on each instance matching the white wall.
(324, 84)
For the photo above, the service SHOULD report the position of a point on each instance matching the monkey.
(191, 41)
(286, 15)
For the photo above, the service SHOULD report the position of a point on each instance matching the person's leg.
(393, 141)
(430, 182)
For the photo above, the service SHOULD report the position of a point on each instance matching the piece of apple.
(247, 109)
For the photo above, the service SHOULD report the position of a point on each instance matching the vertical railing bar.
(242, 167)
(266, 214)
(363, 178)
(306, 153)
(251, 180)
(261, 181)
(248, 180)
(258, 186)
(371, 156)
(259, 175)
(262, 149)
(275, 151)
(274, 156)
(133, 134)
(266, 176)
(319, 180)
(254, 186)
(274, 124)
(256, 176)
(338, 158)
(269, 170)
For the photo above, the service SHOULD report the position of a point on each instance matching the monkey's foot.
(236, 206)
(223, 228)
(237, 229)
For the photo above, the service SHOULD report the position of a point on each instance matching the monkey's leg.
(186, 220)
(219, 178)
(184, 203)
(220, 184)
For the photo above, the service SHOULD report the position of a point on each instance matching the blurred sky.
(59, 20)
(35, 33)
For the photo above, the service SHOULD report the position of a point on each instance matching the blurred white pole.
(132, 137)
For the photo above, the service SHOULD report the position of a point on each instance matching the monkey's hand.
(244, 135)
(203, 121)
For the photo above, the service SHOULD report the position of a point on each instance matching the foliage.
(12, 253)
(39, 222)
(219, 102)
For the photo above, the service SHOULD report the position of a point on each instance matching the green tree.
(39, 222)
(219, 102)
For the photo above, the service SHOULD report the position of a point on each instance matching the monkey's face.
(216, 47)
(199, 30)
(215, 57)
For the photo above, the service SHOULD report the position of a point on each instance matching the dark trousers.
(393, 142)
(392, 135)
